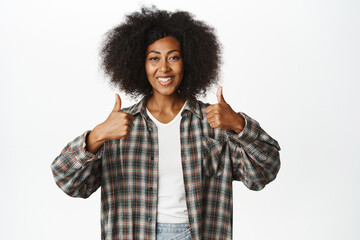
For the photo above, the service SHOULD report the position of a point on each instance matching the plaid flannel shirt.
(127, 171)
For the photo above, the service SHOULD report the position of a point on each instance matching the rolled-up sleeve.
(254, 154)
(77, 171)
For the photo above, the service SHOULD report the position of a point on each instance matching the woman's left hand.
(222, 116)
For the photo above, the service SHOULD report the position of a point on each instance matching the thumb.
(219, 95)
(117, 107)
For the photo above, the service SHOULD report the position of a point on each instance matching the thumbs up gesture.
(222, 116)
(118, 125)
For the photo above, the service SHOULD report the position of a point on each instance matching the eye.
(154, 59)
(174, 58)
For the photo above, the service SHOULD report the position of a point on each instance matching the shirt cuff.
(248, 134)
(78, 148)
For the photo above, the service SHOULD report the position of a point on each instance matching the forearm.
(255, 155)
(77, 171)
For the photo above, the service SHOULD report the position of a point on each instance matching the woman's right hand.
(117, 126)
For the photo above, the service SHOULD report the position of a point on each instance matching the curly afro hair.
(123, 51)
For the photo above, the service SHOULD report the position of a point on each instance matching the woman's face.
(164, 66)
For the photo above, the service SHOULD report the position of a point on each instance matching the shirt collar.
(192, 105)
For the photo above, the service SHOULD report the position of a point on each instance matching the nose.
(164, 66)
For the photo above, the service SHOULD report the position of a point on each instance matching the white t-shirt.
(171, 192)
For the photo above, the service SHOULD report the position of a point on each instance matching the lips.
(165, 80)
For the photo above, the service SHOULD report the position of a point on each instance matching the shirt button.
(150, 129)
(149, 219)
(150, 189)
(152, 158)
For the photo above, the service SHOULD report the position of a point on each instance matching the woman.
(166, 164)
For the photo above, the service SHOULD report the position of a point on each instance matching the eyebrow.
(175, 50)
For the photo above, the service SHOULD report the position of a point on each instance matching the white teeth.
(164, 79)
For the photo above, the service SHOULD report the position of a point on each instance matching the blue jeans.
(173, 231)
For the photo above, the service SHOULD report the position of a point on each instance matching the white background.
(291, 65)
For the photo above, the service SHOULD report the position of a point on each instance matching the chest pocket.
(212, 156)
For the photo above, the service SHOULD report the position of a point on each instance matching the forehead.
(164, 45)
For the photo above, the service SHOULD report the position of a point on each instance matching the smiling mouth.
(164, 79)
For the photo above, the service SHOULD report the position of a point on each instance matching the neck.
(165, 104)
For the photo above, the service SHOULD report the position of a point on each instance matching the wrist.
(98, 135)
(240, 123)
(94, 141)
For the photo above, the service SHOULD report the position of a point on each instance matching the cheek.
(180, 68)
(149, 69)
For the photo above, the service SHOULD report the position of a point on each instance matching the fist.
(222, 116)
(119, 124)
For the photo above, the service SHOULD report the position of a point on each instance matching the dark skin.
(221, 115)
(164, 61)
(164, 68)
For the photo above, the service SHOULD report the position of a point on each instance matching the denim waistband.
(172, 227)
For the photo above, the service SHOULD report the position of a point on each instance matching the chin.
(168, 92)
